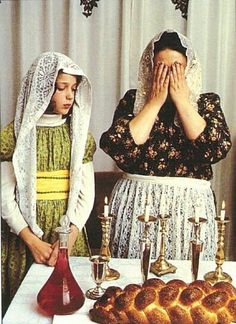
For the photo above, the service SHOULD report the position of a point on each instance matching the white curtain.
(108, 46)
(211, 27)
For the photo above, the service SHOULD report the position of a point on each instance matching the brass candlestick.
(196, 245)
(218, 274)
(111, 274)
(145, 246)
(161, 267)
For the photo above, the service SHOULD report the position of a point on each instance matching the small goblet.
(98, 267)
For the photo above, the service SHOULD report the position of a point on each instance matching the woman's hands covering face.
(178, 88)
(169, 80)
(160, 84)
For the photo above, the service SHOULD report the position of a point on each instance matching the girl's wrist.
(72, 237)
(74, 232)
(27, 236)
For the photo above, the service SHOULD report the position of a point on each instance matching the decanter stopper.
(61, 294)
(63, 232)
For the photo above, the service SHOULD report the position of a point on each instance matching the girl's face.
(169, 57)
(64, 95)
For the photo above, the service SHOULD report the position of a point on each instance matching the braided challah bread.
(173, 302)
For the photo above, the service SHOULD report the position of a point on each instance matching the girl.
(47, 168)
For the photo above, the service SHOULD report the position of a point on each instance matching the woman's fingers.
(177, 74)
(160, 83)
(160, 72)
(180, 72)
(172, 80)
(179, 90)
(174, 73)
(167, 81)
(154, 80)
(160, 75)
(164, 76)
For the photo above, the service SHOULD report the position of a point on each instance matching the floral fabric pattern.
(168, 152)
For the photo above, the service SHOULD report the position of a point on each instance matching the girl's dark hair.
(78, 77)
(169, 40)
(50, 108)
(78, 80)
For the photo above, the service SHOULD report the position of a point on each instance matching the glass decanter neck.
(63, 240)
(63, 232)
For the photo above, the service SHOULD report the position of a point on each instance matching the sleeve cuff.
(10, 209)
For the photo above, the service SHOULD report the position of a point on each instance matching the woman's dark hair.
(169, 40)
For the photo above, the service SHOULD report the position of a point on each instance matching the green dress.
(53, 153)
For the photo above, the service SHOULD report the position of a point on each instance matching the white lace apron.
(173, 196)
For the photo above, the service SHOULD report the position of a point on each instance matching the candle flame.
(106, 207)
(223, 205)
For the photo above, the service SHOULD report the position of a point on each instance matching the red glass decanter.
(61, 294)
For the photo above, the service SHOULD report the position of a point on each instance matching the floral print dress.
(168, 152)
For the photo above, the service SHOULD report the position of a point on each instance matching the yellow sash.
(53, 185)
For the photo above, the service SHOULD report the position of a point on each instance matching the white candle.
(197, 214)
(222, 212)
(146, 213)
(106, 207)
(147, 208)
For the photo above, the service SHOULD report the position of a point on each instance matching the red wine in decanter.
(61, 294)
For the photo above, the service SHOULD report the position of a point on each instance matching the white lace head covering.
(192, 72)
(34, 97)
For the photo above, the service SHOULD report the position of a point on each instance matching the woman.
(47, 168)
(165, 136)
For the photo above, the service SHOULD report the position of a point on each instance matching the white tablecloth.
(23, 309)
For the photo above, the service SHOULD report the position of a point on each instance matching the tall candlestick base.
(196, 245)
(111, 274)
(161, 267)
(218, 275)
(145, 246)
